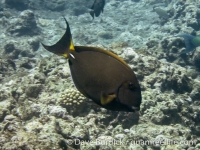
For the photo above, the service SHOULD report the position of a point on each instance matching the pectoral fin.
(105, 99)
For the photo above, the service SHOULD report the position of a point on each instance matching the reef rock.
(24, 25)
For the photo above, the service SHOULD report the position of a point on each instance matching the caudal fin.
(64, 45)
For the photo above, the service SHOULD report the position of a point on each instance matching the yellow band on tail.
(71, 47)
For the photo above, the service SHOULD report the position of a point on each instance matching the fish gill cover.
(40, 107)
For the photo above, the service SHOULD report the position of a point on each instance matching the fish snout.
(135, 108)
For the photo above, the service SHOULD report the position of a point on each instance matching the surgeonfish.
(100, 75)
(97, 8)
(191, 42)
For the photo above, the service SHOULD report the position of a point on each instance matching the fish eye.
(131, 86)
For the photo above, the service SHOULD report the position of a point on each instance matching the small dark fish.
(191, 42)
(100, 75)
(97, 8)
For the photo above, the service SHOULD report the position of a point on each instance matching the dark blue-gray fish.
(191, 42)
(97, 8)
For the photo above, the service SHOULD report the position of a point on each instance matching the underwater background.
(40, 108)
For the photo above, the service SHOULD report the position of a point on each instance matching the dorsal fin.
(97, 49)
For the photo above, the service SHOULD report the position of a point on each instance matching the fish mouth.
(135, 108)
